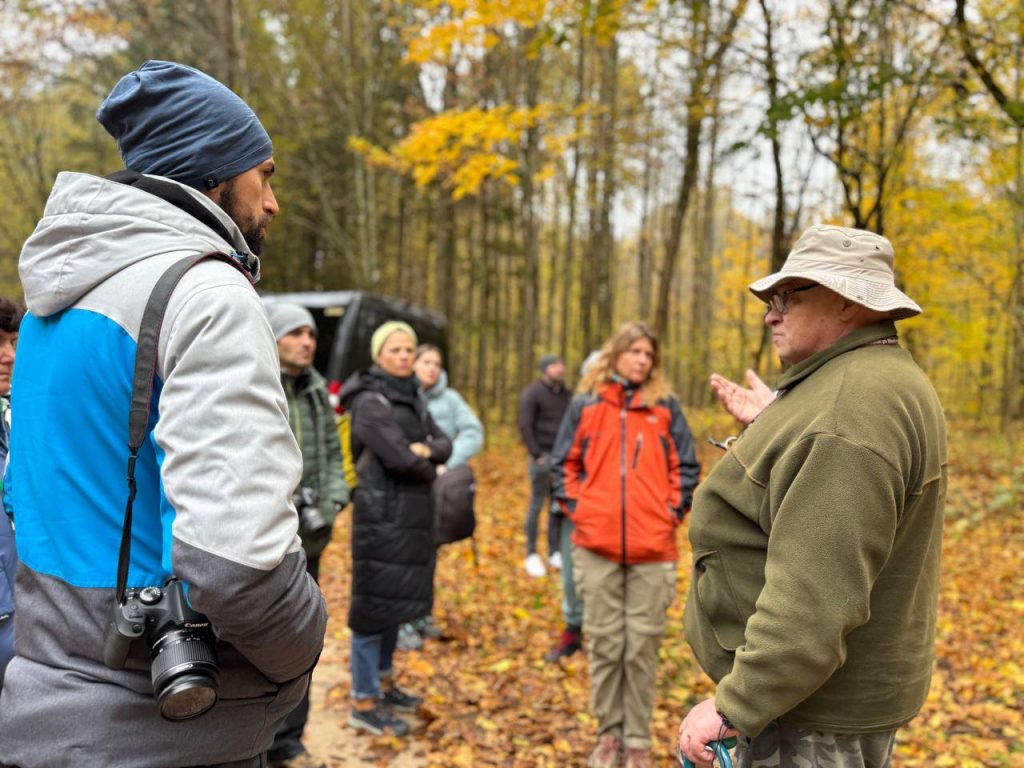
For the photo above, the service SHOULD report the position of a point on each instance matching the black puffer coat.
(392, 518)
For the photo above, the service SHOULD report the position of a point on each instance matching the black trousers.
(288, 739)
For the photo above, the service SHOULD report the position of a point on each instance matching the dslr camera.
(313, 528)
(180, 645)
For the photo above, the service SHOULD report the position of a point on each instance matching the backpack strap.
(146, 350)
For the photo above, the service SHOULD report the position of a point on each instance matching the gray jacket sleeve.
(229, 468)
(468, 439)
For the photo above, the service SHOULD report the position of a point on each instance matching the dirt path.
(330, 739)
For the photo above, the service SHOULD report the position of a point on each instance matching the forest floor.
(491, 700)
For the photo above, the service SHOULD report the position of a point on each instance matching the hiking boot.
(427, 629)
(377, 721)
(606, 754)
(571, 642)
(555, 561)
(636, 757)
(398, 699)
(408, 638)
(535, 566)
(301, 760)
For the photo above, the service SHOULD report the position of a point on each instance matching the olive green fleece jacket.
(816, 546)
(312, 420)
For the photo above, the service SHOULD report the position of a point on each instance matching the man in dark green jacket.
(323, 491)
(816, 538)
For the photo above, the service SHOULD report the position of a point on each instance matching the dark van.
(347, 319)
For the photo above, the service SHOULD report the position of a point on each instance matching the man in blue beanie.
(215, 474)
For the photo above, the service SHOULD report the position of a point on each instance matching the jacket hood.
(356, 384)
(439, 388)
(93, 227)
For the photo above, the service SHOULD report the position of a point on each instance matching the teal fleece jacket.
(816, 546)
(456, 419)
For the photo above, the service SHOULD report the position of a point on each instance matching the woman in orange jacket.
(624, 471)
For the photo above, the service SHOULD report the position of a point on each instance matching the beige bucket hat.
(852, 262)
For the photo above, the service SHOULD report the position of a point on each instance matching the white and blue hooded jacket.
(214, 481)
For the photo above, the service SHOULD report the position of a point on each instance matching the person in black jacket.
(541, 407)
(397, 447)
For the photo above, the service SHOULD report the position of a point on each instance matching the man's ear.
(215, 193)
(851, 311)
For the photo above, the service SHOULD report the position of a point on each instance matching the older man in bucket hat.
(214, 474)
(816, 538)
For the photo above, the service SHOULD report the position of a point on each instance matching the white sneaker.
(555, 561)
(535, 566)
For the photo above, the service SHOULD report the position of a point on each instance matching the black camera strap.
(142, 386)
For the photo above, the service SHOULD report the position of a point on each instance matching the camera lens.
(312, 523)
(185, 678)
(188, 697)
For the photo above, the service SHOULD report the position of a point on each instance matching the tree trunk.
(529, 216)
(703, 279)
(702, 67)
(483, 318)
(1013, 366)
(646, 244)
(604, 247)
(572, 196)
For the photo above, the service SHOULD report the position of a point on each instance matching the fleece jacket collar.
(862, 337)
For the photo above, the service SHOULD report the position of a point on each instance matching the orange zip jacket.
(625, 474)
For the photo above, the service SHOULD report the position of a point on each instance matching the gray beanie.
(285, 318)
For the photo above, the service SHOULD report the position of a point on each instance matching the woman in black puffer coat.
(397, 446)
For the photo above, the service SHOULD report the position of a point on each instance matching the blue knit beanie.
(175, 121)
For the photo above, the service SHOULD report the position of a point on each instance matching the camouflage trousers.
(787, 747)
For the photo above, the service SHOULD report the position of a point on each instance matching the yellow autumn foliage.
(462, 149)
(453, 28)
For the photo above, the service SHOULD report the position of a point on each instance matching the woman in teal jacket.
(451, 413)
(459, 422)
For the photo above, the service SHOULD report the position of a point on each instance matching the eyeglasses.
(780, 301)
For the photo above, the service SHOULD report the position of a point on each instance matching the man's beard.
(250, 227)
